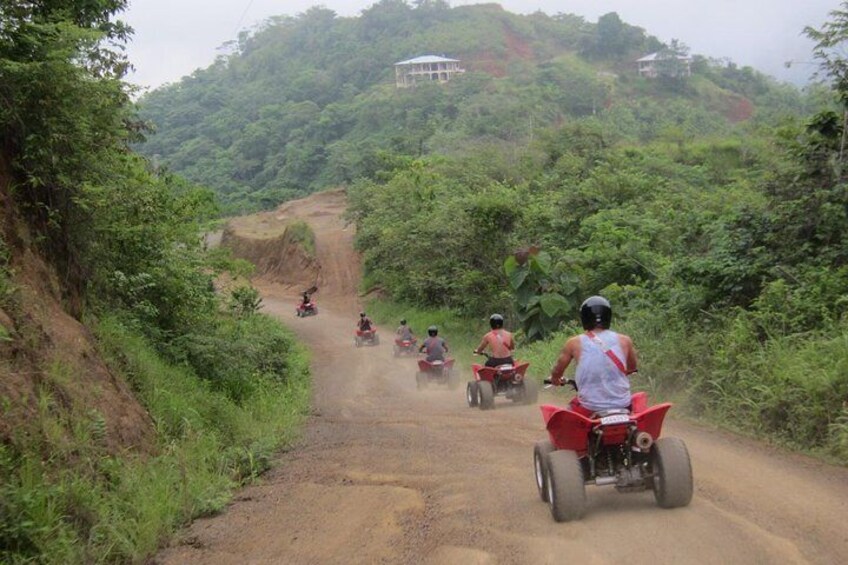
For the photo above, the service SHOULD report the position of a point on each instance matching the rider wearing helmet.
(604, 360)
(404, 332)
(434, 346)
(364, 323)
(500, 341)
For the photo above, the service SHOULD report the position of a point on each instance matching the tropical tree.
(543, 300)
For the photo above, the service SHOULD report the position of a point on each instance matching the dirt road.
(387, 474)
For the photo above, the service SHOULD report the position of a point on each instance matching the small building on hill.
(426, 68)
(664, 64)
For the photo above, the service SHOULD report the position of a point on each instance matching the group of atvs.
(489, 382)
(621, 448)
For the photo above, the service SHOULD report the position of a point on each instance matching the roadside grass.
(80, 504)
(300, 232)
(792, 390)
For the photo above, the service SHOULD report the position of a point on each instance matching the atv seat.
(610, 412)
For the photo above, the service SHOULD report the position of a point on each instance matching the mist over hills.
(310, 101)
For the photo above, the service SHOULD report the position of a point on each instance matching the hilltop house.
(427, 68)
(662, 64)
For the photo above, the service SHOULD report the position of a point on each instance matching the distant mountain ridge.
(308, 102)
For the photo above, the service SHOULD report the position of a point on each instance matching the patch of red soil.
(517, 46)
(739, 109)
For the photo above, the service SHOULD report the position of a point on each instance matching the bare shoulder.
(625, 340)
(573, 343)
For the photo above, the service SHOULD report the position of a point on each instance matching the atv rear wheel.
(540, 466)
(357, 341)
(421, 380)
(566, 491)
(486, 394)
(471, 394)
(396, 351)
(672, 473)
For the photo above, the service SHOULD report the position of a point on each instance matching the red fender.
(569, 429)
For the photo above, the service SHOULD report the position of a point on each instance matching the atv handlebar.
(570, 382)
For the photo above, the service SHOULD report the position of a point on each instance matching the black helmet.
(403, 322)
(362, 314)
(432, 331)
(595, 311)
(496, 321)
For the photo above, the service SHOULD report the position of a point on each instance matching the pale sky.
(175, 37)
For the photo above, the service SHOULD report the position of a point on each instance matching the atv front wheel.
(566, 491)
(672, 473)
(540, 466)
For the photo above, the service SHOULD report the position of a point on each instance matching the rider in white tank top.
(601, 385)
(604, 360)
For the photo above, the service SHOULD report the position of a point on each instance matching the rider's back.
(435, 348)
(602, 385)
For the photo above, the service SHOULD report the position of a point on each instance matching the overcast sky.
(175, 37)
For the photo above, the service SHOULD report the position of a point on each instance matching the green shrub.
(301, 233)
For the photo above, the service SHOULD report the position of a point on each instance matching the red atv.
(366, 337)
(405, 347)
(506, 380)
(437, 372)
(308, 309)
(613, 447)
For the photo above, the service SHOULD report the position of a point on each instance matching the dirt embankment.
(280, 259)
(47, 354)
(264, 240)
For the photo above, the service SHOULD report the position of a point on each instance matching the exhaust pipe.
(643, 441)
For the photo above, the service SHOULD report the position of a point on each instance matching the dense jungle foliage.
(310, 101)
(724, 251)
(223, 386)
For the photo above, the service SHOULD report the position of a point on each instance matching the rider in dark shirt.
(434, 346)
(364, 324)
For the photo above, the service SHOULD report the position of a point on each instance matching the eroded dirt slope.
(387, 474)
(49, 364)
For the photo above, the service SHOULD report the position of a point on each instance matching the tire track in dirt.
(387, 474)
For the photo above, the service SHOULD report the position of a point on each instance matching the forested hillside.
(310, 101)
